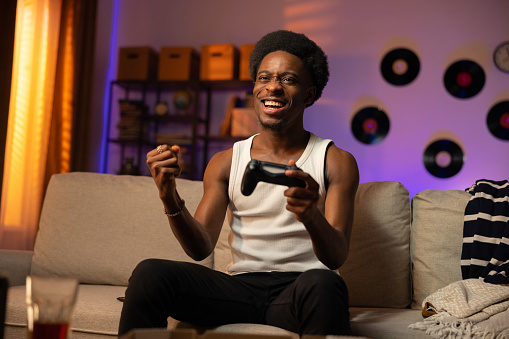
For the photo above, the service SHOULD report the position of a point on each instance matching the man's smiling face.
(282, 90)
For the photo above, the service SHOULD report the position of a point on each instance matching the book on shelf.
(131, 125)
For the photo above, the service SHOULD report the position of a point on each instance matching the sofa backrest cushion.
(377, 271)
(436, 240)
(97, 227)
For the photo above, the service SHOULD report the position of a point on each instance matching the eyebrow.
(283, 74)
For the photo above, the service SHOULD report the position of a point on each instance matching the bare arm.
(197, 235)
(329, 232)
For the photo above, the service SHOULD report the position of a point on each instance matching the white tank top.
(264, 235)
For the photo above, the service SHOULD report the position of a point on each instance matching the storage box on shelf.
(137, 63)
(245, 53)
(178, 64)
(244, 122)
(219, 62)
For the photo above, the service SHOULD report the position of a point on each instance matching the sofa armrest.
(15, 265)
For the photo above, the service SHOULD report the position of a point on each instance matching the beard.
(275, 127)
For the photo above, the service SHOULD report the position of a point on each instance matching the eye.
(288, 81)
(263, 78)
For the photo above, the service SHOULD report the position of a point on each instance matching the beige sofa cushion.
(377, 271)
(222, 251)
(97, 227)
(436, 240)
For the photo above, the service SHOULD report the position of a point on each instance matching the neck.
(278, 147)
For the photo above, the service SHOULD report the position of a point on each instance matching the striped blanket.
(478, 305)
(485, 252)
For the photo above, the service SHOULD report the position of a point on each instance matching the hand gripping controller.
(270, 172)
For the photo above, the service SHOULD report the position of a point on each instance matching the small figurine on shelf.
(183, 101)
(161, 108)
(128, 168)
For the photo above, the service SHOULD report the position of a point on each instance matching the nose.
(274, 84)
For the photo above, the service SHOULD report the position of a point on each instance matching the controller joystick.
(270, 172)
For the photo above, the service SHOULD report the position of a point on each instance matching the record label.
(504, 120)
(400, 66)
(464, 79)
(498, 120)
(443, 158)
(370, 125)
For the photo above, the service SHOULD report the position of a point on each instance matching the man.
(287, 243)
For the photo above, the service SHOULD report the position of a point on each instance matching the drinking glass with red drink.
(50, 304)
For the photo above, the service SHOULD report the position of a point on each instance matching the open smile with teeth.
(273, 104)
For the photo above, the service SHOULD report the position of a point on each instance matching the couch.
(97, 227)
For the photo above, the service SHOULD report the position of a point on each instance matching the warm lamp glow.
(35, 46)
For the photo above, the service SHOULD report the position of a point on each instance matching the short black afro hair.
(298, 44)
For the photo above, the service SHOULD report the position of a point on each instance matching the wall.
(356, 35)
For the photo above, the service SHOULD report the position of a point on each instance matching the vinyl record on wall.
(443, 158)
(498, 120)
(464, 79)
(400, 66)
(370, 125)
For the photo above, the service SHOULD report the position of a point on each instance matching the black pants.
(312, 302)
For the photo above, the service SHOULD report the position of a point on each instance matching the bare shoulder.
(341, 167)
(218, 168)
(215, 188)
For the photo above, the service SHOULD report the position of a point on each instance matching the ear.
(311, 94)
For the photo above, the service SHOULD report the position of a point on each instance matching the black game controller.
(270, 172)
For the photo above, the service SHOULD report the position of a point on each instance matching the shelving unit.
(214, 86)
(197, 127)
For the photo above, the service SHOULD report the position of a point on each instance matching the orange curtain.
(68, 149)
(42, 110)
